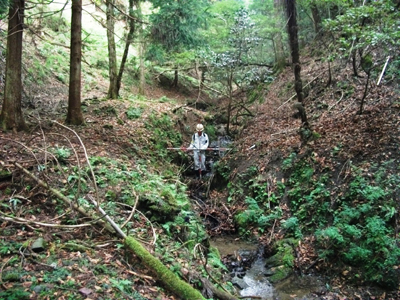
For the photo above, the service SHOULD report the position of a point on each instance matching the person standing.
(199, 144)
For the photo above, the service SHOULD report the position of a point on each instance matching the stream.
(251, 280)
(245, 260)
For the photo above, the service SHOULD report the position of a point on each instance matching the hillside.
(334, 200)
(364, 140)
(314, 182)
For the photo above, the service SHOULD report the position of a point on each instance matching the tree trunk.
(316, 18)
(280, 59)
(142, 79)
(360, 111)
(354, 62)
(112, 54)
(11, 115)
(176, 76)
(294, 46)
(74, 115)
(230, 92)
(166, 276)
(142, 47)
(128, 42)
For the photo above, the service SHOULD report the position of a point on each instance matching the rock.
(239, 282)
(40, 288)
(279, 266)
(38, 245)
(85, 291)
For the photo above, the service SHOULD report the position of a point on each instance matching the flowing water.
(249, 276)
(257, 284)
(253, 282)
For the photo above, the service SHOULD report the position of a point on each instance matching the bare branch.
(25, 221)
(86, 157)
(65, 199)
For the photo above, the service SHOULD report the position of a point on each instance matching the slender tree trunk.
(142, 47)
(142, 79)
(74, 115)
(280, 59)
(129, 40)
(360, 111)
(316, 18)
(354, 51)
(11, 115)
(230, 92)
(294, 46)
(176, 78)
(329, 74)
(112, 54)
(354, 62)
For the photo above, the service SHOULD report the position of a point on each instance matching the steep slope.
(351, 162)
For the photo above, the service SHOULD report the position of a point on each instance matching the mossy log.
(166, 276)
(66, 200)
(169, 280)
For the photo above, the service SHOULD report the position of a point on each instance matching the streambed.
(244, 259)
(248, 273)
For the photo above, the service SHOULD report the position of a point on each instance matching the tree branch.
(66, 200)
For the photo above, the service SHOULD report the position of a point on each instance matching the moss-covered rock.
(277, 274)
(163, 209)
(280, 265)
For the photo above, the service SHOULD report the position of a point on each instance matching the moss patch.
(281, 263)
(168, 278)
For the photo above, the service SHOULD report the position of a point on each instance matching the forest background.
(308, 91)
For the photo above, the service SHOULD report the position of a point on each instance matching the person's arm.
(192, 143)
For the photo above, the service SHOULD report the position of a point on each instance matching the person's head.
(199, 128)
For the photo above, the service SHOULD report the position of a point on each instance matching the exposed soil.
(371, 137)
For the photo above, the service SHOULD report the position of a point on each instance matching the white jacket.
(199, 142)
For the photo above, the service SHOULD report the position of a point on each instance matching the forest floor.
(93, 262)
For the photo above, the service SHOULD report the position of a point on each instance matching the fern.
(215, 261)
(352, 230)
(330, 236)
(252, 204)
(358, 255)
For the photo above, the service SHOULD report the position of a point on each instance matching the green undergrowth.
(163, 136)
(261, 200)
(59, 272)
(351, 211)
(163, 215)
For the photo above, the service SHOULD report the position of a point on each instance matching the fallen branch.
(227, 210)
(132, 211)
(25, 221)
(1, 272)
(220, 294)
(107, 217)
(272, 233)
(171, 282)
(315, 78)
(66, 200)
(139, 275)
(337, 102)
(86, 157)
(383, 71)
(143, 215)
(284, 132)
